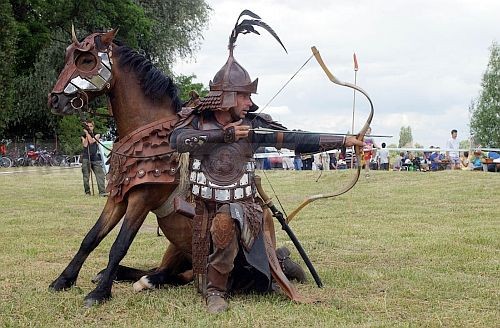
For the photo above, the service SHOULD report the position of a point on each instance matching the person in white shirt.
(383, 158)
(453, 156)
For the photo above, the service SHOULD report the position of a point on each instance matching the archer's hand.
(240, 131)
(352, 141)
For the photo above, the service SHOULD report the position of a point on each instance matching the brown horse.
(144, 171)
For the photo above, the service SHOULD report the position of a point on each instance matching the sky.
(421, 62)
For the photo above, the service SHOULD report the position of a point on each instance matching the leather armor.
(225, 174)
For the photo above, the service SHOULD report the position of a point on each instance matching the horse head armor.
(87, 69)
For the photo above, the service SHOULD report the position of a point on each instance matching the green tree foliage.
(35, 33)
(186, 84)
(485, 118)
(8, 37)
(464, 144)
(176, 28)
(30, 115)
(405, 137)
(70, 130)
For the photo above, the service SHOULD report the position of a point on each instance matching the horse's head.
(86, 74)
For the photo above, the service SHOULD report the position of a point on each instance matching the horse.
(144, 171)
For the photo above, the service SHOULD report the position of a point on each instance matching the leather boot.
(216, 291)
(291, 269)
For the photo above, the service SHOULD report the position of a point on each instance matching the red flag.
(355, 62)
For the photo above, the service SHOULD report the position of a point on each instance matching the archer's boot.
(216, 291)
(291, 269)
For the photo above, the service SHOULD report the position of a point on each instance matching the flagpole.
(354, 100)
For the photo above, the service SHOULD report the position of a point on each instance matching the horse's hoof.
(95, 298)
(142, 284)
(61, 284)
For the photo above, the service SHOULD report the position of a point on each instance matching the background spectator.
(453, 156)
(383, 158)
(464, 161)
(91, 160)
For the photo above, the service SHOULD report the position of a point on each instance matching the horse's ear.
(74, 39)
(108, 37)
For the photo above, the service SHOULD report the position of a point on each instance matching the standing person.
(368, 151)
(453, 155)
(297, 162)
(287, 163)
(229, 235)
(91, 159)
(324, 159)
(383, 158)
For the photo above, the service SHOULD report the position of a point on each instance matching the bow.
(357, 149)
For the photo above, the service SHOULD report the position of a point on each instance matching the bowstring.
(274, 193)
(281, 89)
(263, 108)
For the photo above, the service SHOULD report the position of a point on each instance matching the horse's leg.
(176, 264)
(110, 216)
(140, 201)
(125, 273)
(176, 270)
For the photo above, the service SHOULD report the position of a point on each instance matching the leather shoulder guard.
(265, 120)
(186, 115)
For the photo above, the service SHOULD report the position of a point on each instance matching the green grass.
(400, 249)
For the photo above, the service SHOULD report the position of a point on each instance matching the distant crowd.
(378, 158)
(436, 161)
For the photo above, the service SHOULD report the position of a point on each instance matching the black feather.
(247, 26)
(248, 13)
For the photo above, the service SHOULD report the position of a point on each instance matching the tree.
(185, 84)
(177, 26)
(8, 38)
(464, 144)
(405, 137)
(36, 33)
(485, 118)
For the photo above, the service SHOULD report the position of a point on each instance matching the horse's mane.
(154, 82)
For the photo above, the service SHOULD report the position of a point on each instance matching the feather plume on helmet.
(232, 77)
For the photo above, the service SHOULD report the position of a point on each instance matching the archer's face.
(243, 103)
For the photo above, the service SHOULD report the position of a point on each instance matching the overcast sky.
(421, 62)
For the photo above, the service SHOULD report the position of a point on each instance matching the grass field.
(400, 249)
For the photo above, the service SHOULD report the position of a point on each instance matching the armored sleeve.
(300, 141)
(188, 139)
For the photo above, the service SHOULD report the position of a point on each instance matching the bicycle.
(5, 161)
(44, 158)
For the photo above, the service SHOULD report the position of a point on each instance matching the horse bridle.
(102, 81)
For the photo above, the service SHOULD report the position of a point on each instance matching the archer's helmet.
(229, 80)
(232, 77)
